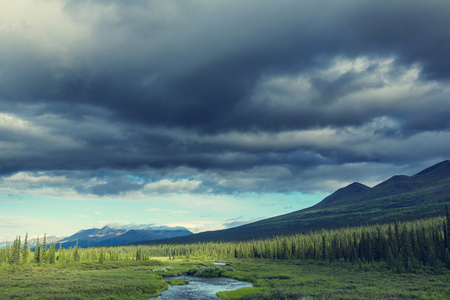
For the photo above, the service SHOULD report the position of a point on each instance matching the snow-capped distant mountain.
(108, 236)
(143, 227)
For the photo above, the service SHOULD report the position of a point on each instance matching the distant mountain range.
(49, 239)
(111, 236)
(400, 197)
(108, 236)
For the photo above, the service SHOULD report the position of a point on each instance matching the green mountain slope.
(402, 197)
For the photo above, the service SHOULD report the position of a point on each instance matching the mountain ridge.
(351, 190)
(107, 236)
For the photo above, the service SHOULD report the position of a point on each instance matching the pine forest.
(401, 246)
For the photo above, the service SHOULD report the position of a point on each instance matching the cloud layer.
(113, 98)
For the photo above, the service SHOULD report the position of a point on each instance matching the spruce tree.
(324, 249)
(390, 257)
(44, 249)
(76, 254)
(11, 256)
(447, 212)
(51, 254)
(447, 258)
(19, 252)
(15, 252)
(25, 249)
(390, 238)
(7, 252)
(397, 246)
(102, 256)
(362, 248)
(446, 237)
(406, 248)
(377, 244)
(139, 254)
(37, 252)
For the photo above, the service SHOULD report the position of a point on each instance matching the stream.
(201, 288)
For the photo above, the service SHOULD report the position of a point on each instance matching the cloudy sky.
(209, 114)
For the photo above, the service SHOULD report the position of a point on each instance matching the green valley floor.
(272, 279)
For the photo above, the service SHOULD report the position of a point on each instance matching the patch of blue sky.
(137, 179)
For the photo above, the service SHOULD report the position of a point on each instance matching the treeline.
(43, 253)
(403, 246)
(18, 253)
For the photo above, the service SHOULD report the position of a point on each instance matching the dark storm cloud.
(229, 87)
(195, 68)
(212, 94)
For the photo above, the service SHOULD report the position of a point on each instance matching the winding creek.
(200, 288)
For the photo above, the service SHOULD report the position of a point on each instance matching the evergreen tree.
(447, 214)
(390, 238)
(432, 257)
(390, 258)
(15, 252)
(447, 236)
(76, 254)
(101, 258)
(51, 254)
(447, 258)
(361, 247)
(139, 254)
(44, 249)
(37, 252)
(406, 248)
(378, 245)
(324, 250)
(7, 252)
(396, 247)
(25, 249)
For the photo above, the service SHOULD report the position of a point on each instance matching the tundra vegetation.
(396, 260)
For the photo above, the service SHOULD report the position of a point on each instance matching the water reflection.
(201, 288)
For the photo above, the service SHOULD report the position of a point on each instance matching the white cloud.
(36, 177)
(172, 186)
(40, 23)
(198, 226)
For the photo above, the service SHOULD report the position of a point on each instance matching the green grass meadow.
(272, 279)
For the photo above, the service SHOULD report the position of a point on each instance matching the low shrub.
(212, 271)
(177, 281)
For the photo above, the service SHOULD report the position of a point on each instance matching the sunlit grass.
(272, 279)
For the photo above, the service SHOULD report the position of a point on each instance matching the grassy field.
(272, 280)
(315, 280)
(112, 281)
